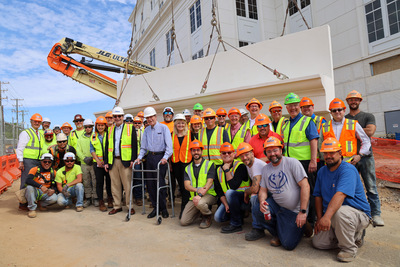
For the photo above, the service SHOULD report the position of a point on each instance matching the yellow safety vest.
(239, 136)
(211, 149)
(253, 130)
(296, 143)
(125, 143)
(278, 129)
(33, 148)
(225, 186)
(46, 146)
(200, 181)
(97, 145)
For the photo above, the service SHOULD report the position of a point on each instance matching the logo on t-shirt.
(277, 181)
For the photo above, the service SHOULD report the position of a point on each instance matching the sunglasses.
(226, 153)
(128, 120)
(137, 123)
(46, 161)
(337, 110)
(88, 127)
(209, 118)
(79, 120)
(117, 116)
(62, 141)
(69, 160)
(261, 126)
(168, 113)
(221, 116)
(276, 111)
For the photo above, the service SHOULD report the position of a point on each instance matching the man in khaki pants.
(121, 148)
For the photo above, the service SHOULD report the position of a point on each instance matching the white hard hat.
(47, 156)
(168, 109)
(46, 120)
(149, 111)
(69, 155)
(57, 127)
(243, 111)
(128, 116)
(179, 116)
(186, 112)
(61, 137)
(118, 111)
(87, 122)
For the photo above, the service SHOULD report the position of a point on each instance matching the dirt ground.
(92, 238)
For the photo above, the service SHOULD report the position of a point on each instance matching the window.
(247, 8)
(385, 65)
(241, 43)
(198, 55)
(153, 57)
(383, 19)
(170, 43)
(304, 3)
(300, 3)
(195, 16)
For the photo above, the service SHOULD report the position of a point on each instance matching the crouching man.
(286, 180)
(69, 183)
(342, 209)
(41, 188)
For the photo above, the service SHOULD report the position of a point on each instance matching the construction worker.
(168, 114)
(78, 132)
(237, 132)
(86, 159)
(199, 181)
(157, 144)
(196, 123)
(198, 110)
(58, 150)
(49, 140)
(221, 117)
(234, 180)
(69, 183)
(254, 107)
(137, 191)
(66, 129)
(110, 119)
(45, 125)
(187, 115)
(366, 166)
(275, 109)
(28, 150)
(141, 115)
(212, 137)
(97, 146)
(41, 188)
(181, 157)
(286, 182)
(307, 109)
(121, 147)
(244, 116)
(56, 130)
(343, 212)
(128, 118)
(264, 132)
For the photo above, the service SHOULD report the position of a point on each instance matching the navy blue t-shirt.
(344, 179)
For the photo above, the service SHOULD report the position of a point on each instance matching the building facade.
(365, 38)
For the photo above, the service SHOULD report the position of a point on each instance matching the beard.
(276, 159)
(332, 163)
(354, 106)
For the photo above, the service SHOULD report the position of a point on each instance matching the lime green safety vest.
(33, 148)
(97, 145)
(278, 129)
(253, 130)
(225, 186)
(239, 136)
(46, 146)
(139, 133)
(125, 144)
(296, 143)
(201, 181)
(211, 149)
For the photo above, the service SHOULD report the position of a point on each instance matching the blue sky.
(28, 31)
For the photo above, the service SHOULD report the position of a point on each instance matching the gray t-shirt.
(282, 181)
(256, 169)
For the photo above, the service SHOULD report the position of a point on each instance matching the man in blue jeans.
(287, 182)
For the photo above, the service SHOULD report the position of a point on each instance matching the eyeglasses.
(117, 116)
(276, 111)
(79, 120)
(337, 110)
(209, 118)
(137, 123)
(90, 126)
(62, 141)
(226, 153)
(69, 160)
(221, 116)
(46, 161)
(264, 125)
(168, 113)
(128, 120)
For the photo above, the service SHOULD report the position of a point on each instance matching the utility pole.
(2, 124)
(13, 132)
(17, 112)
(23, 113)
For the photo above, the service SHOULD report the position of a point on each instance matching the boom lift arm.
(83, 71)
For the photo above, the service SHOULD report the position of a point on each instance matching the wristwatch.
(303, 211)
(200, 194)
(226, 170)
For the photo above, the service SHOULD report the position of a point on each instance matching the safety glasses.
(226, 153)
(261, 126)
(209, 118)
(337, 110)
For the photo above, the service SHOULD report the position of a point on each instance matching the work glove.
(88, 161)
(65, 191)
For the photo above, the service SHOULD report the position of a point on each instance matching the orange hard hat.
(262, 119)
(337, 103)
(137, 119)
(66, 125)
(233, 111)
(36, 117)
(354, 94)
(196, 144)
(271, 142)
(274, 104)
(109, 114)
(330, 144)
(226, 147)
(140, 114)
(253, 101)
(209, 112)
(195, 119)
(305, 101)
(101, 120)
(221, 111)
(243, 148)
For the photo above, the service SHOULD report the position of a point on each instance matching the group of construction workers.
(297, 176)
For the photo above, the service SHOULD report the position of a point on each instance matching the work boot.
(308, 230)
(102, 206)
(41, 208)
(79, 208)
(139, 202)
(110, 201)
(360, 241)
(230, 229)
(377, 221)
(275, 242)
(206, 222)
(96, 202)
(23, 207)
(32, 214)
(87, 202)
(254, 235)
(345, 256)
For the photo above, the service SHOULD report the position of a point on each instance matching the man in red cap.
(79, 131)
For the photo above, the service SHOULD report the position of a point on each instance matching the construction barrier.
(12, 166)
(5, 176)
(387, 159)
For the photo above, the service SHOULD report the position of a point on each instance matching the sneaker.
(360, 242)
(32, 214)
(345, 256)
(206, 222)
(87, 202)
(79, 208)
(254, 235)
(96, 202)
(308, 230)
(230, 229)
(377, 221)
(275, 242)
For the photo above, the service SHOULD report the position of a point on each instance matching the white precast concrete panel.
(303, 54)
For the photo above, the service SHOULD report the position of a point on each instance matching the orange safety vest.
(348, 139)
(181, 153)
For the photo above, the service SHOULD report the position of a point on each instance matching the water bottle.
(267, 213)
